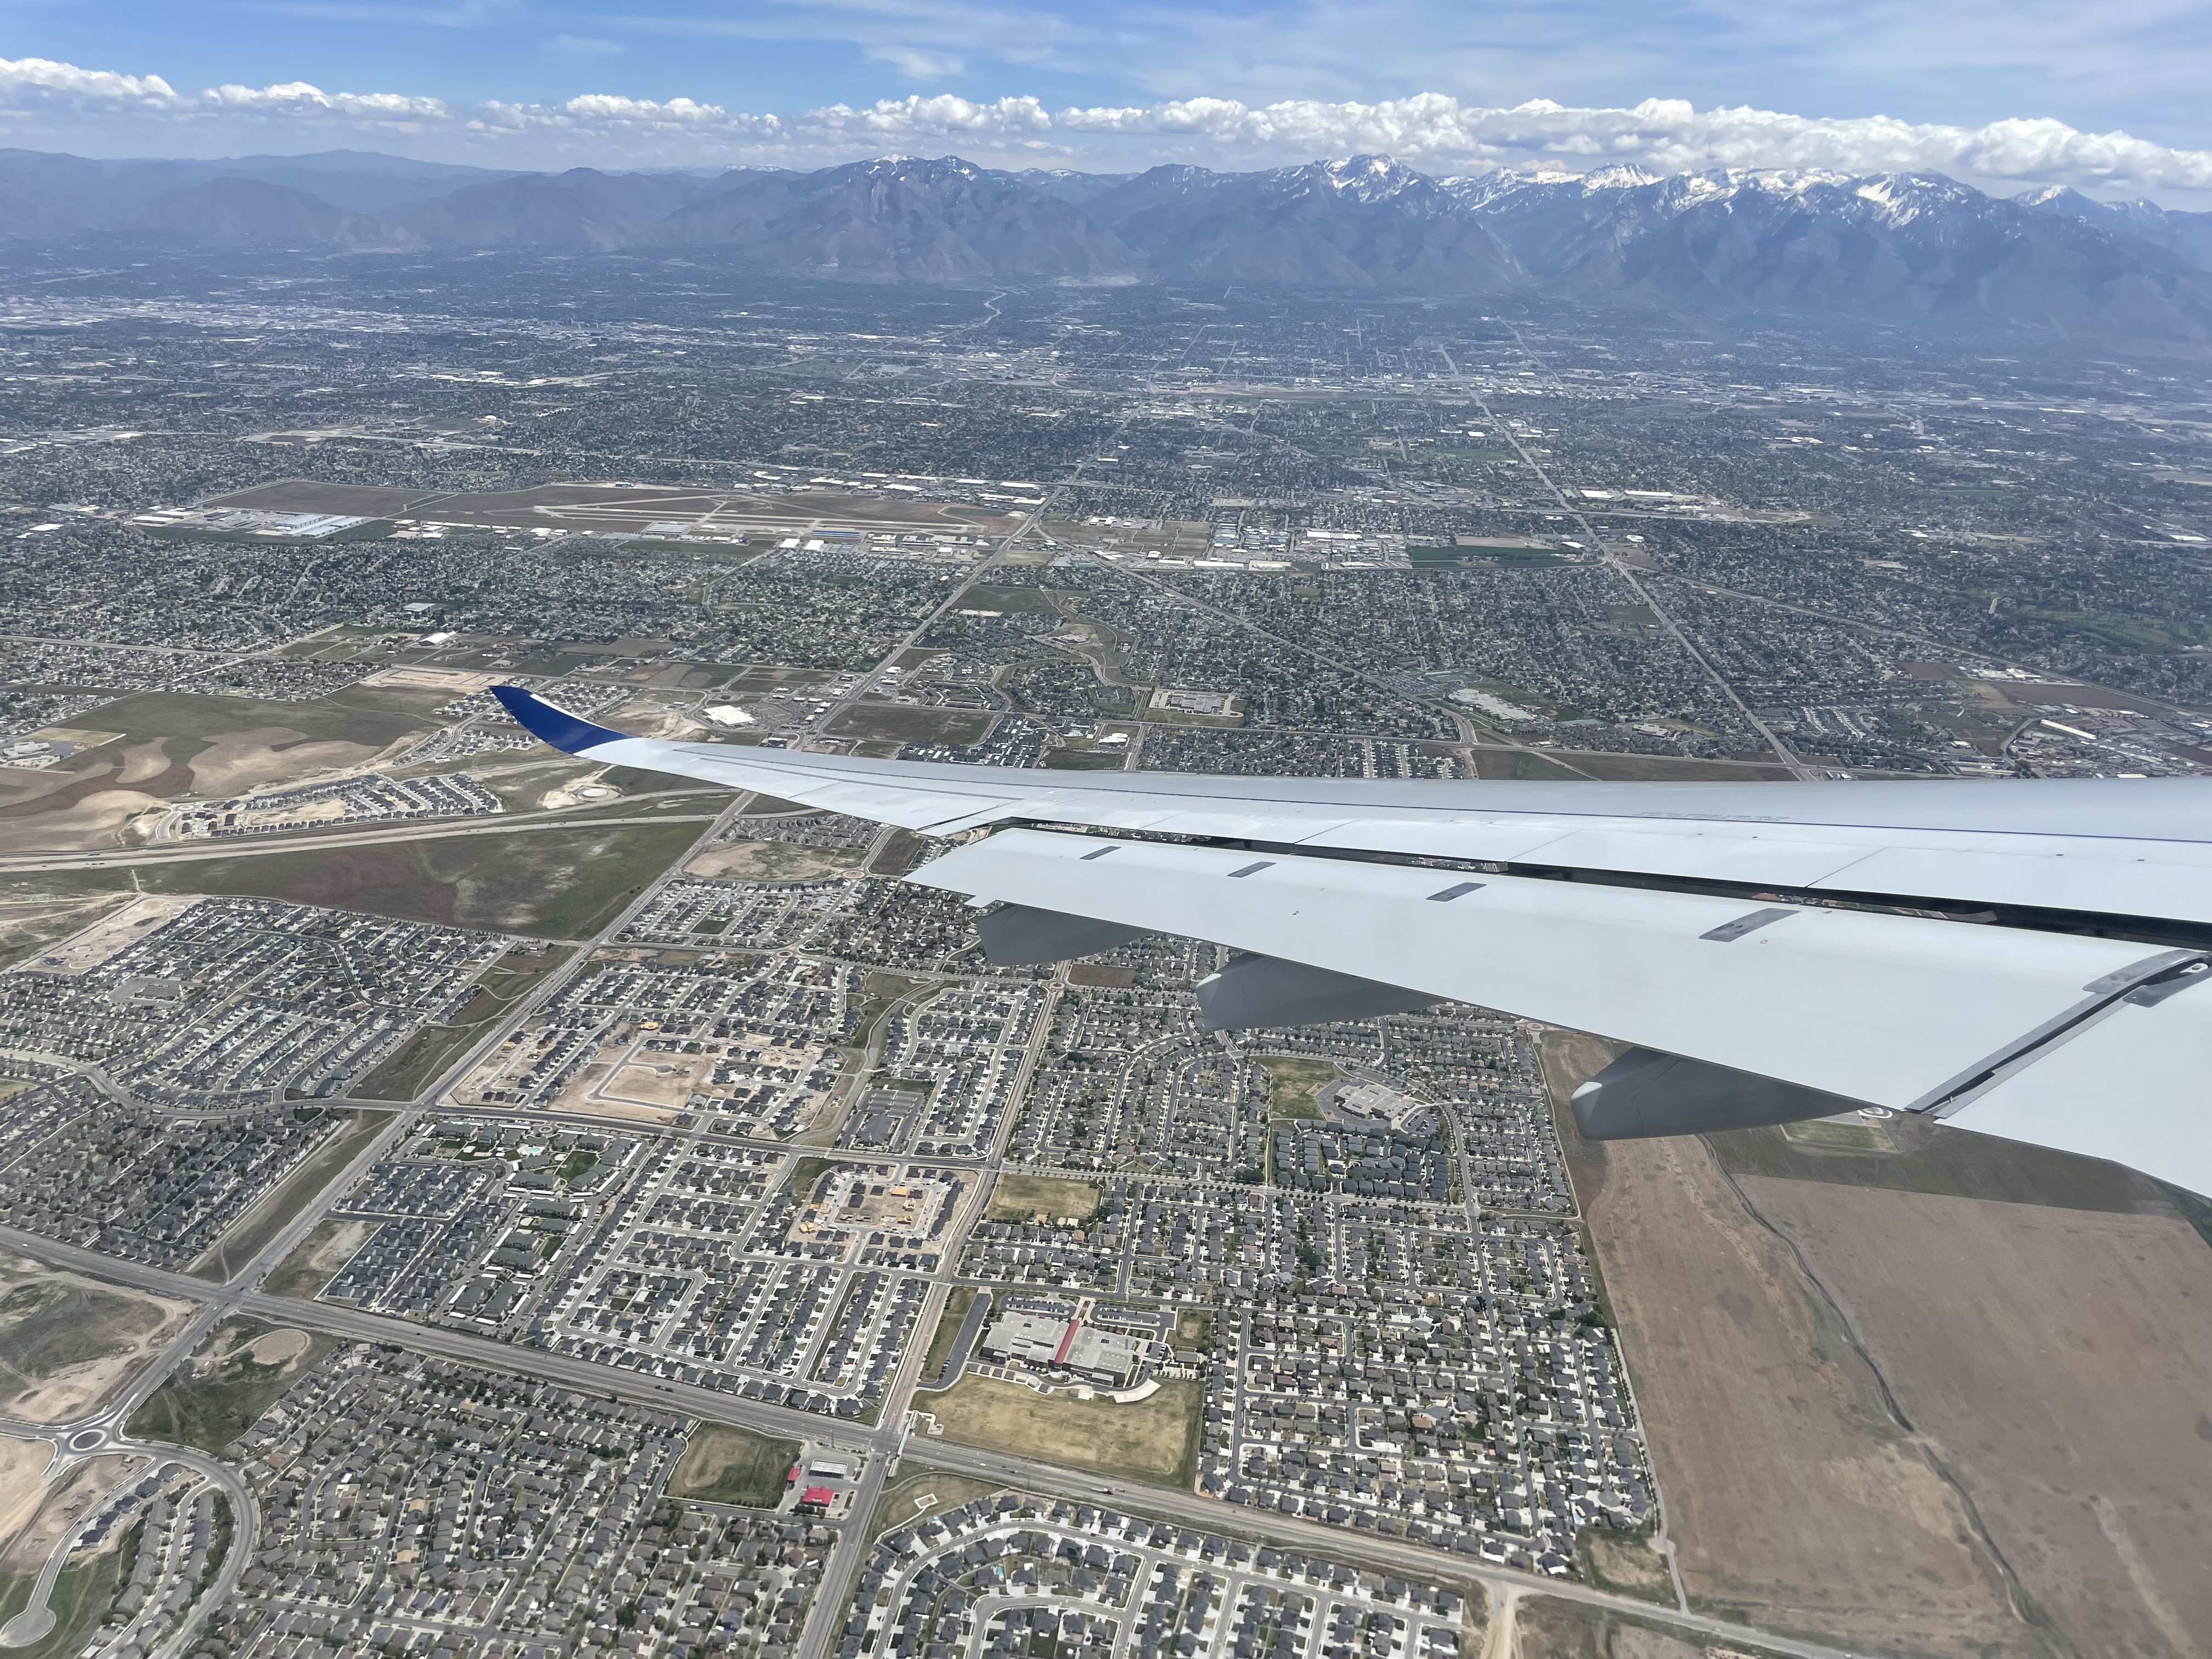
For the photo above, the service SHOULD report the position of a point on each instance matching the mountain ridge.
(1897, 244)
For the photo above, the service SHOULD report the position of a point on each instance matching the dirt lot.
(2056, 1360)
(69, 1342)
(665, 1081)
(215, 746)
(773, 862)
(1154, 1439)
(1797, 1500)
(31, 922)
(582, 1094)
(81, 808)
(23, 1465)
(60, 1506)
(92, 945)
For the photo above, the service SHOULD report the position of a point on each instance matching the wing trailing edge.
(1761, 1003)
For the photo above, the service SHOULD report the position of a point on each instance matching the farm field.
(1795, 1498)
(2056, 1358)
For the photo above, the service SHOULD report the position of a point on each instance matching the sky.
(2007, 94)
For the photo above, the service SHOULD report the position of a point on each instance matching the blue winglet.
(549, 725)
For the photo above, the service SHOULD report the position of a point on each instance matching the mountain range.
(1886, 245)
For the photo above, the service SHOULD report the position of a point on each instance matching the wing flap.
(2128, 1086)
(1888, 1010)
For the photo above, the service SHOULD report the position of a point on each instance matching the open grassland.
(1292, 1083)
(725, 1465)
(1952, 1162)
(1154, 1439)
(556, 884)
(2056, 1360)
(82, 1594)
(1022, 1197)
(806, 1173)
(70, 1342)
(901, 851)
(1544, 1628)
(1672, 768)
(423, 1058)
(230, 1379)
(920, 1492)
(1520, 765)
(1624, 1562)
(900, 723)
(1796, 1498)
(1849, 1137)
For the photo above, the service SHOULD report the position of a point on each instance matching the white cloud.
(1667, 134)
(61, 105)
(917, 63)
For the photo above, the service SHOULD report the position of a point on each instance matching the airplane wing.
(2020, 958)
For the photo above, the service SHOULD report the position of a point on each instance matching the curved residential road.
(36, 1620)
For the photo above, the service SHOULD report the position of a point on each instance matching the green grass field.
(920, 1492)
(1019, 1197)
(725, 1465)
(804, 1173)
(1292, 1083)
(901, 724)
(211, 1410)
(88, 1586)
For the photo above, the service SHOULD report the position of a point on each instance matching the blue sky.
(136, 75)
